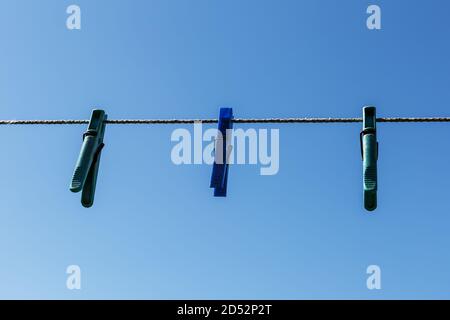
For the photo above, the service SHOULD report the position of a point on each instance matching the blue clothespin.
(219, 177)
(86, 169)
(369, 153)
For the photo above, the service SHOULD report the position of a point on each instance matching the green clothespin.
(86, 169)
(369, 153)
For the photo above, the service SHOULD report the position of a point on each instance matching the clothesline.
(237, 120)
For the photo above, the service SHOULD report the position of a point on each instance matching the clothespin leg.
(88, 194)
(370, 173)
(83, 165)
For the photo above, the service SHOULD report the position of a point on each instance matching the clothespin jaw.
(369, 152)
(219, 177)
(86, 170)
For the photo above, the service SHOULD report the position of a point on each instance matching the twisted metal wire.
(238, 120)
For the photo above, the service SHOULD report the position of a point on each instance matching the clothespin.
(219, 177)
(86, 169)
(369, 153)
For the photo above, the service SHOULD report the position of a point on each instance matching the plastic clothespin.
(369, 153)
(219, 177)
(86, 169)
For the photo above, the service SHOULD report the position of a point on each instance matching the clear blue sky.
(156, 231)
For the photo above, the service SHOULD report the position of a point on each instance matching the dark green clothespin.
(86, 169)
(369, 153)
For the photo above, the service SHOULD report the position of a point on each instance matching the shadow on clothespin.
(369, 153)
(219, 177)
(86, 170)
